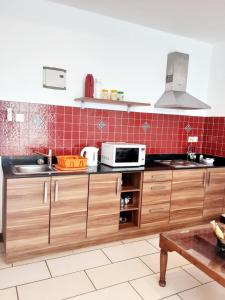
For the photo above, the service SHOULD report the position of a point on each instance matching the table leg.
(163, 265)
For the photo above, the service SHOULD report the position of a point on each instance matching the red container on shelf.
(89, 86)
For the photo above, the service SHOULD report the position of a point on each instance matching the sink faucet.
(190, 152)
(49, 156)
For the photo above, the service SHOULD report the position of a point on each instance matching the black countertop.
(150, 165)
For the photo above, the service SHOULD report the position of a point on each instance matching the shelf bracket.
(128, 108)
(82, 105)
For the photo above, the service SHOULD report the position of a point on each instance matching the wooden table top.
(198, 245)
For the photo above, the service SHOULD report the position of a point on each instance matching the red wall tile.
(67, 130)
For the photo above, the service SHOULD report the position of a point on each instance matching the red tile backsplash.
(67, 130)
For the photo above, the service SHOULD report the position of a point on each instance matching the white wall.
(216, 96)
(125, 56)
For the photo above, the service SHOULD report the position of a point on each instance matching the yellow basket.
(71, 161)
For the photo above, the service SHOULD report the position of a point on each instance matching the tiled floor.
(127, 270)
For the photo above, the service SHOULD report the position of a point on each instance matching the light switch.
(54, 78)
(20, 118)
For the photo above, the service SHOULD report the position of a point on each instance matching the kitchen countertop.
(150, 165)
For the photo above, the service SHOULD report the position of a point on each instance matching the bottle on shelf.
(98, 88)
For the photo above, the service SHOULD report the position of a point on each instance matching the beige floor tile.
(154, 242)
(58, 288)
(207, 291)
(23, 274)
(174, 297)
(119, 292)
(118, 272)
(41, 258)
(130, 250)
(8, 294)
(141, 238)
(77, 262)
(177, 281)
(96, 247)
(3, 264)
(198, 274)
(174, 260)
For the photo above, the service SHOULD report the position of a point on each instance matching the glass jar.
(113, 95)
(105, 94)
(120, 96)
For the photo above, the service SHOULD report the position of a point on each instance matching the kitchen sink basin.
(31, 169)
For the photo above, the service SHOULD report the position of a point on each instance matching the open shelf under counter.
(129, 188)
(128, 104)
(129, 207)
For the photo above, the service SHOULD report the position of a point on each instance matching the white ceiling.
(198, 19)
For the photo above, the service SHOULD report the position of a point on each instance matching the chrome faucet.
(190, 152)
(49, 156)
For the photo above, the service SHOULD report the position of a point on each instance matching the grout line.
(17, 293)
(135, 290)
(90, 279)
(106, 256)
(146, 265)
(48, 268)
(195, 277)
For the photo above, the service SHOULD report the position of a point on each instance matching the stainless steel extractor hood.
(175, 95)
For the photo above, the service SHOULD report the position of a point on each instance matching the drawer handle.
(158, 176)
(45, 199)
(56, 191)
(158, 187)
(156, 209)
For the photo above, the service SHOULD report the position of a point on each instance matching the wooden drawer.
(156, 192)
(153, 176)
(155, 214)
(189, 175)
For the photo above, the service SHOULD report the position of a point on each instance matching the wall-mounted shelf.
(128, 104)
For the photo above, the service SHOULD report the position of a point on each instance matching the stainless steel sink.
(31, 169)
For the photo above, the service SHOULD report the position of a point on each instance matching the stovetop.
(181, 163)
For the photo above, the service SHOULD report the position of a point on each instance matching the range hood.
(175, 95)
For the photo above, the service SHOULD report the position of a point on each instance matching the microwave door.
(127, 155)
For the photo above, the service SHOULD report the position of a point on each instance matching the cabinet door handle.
(45, 199)
(56, 198)
(209, 178)
(158, 187)
(158, 176)
(118, 185)
(156, 209)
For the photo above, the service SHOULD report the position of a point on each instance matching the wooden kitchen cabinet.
(68, 215)
(214, 193)
(187, 197)
(103, 204)
(26, 220)
(156, 198)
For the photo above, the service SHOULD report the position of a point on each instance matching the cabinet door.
(27, 214)
(104, 204)
(187, 195)
(214, 193)
(68, 209)
(156, 198)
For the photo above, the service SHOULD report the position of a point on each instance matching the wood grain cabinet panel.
(187, 196)
(214, 193)
(156, 198)
(68, 209)
(27, 220)
(103, 204)
(157, 176)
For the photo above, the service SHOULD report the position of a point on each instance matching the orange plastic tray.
(71, 161)
(68, 169)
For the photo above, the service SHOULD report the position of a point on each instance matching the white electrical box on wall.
(54, 78)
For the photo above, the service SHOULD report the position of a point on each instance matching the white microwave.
(123, 154)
